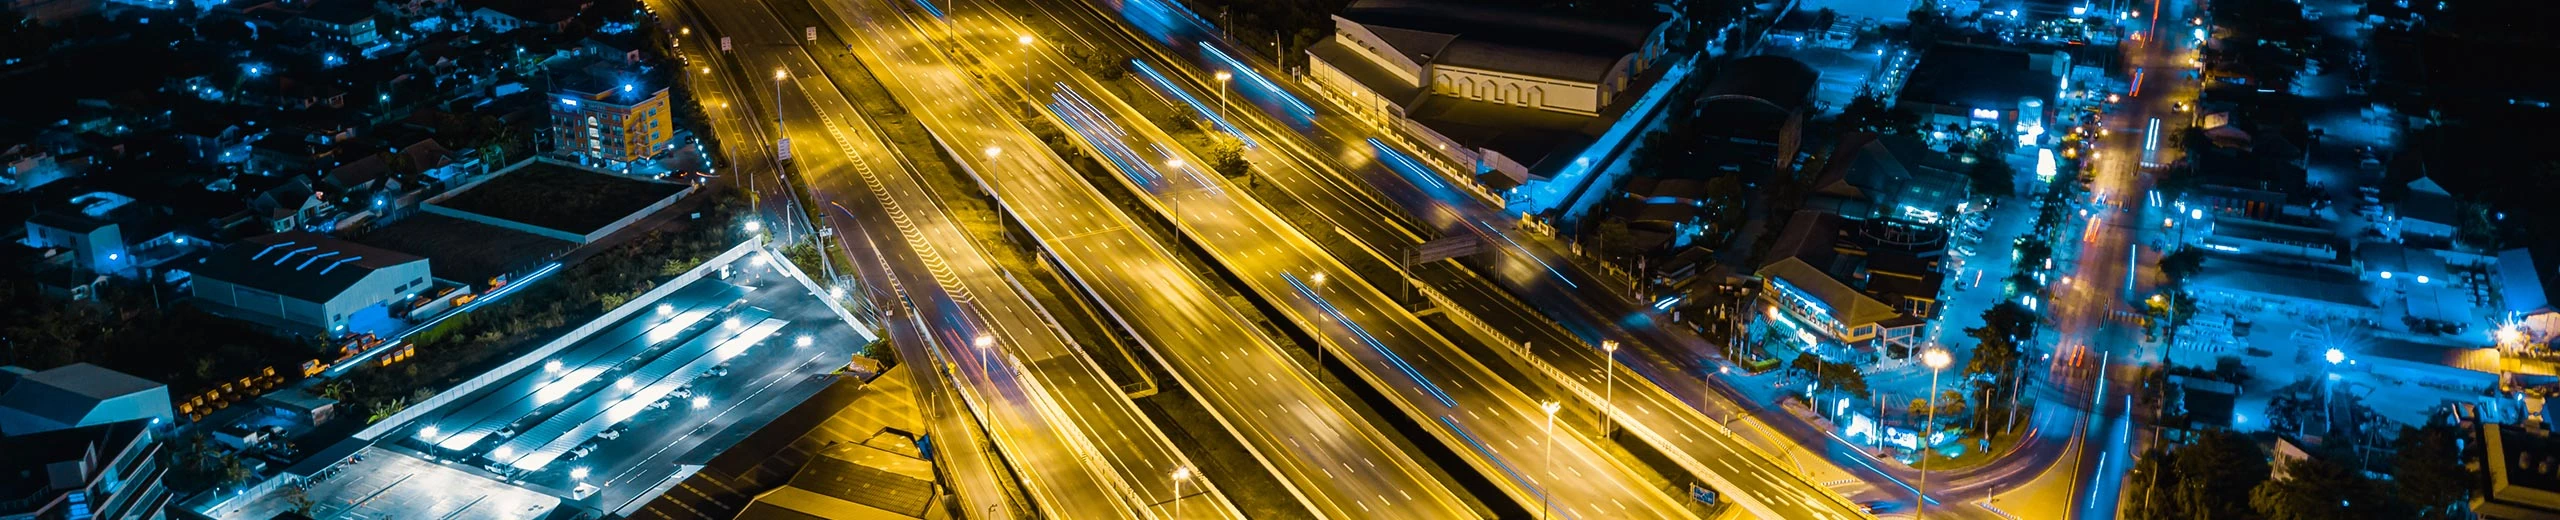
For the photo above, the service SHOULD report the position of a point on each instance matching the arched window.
(1537, 97)
(1510, 93)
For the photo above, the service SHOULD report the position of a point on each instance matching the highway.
(1305, 155)
(1495, 426)
(1330, 459)
(1079, 446)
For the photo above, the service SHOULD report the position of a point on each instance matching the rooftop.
(63, 396)
(23, 469)
(1468, 34)
(300, 264)
(1976, 76)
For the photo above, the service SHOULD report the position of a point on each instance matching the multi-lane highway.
(1078, 445)
(1490, 423)
(1303, 154)
(1330, 459)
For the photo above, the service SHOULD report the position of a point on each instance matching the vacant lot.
(560, 197)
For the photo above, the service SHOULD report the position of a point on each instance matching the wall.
(1520, 90)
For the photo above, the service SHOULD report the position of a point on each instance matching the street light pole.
(1547, 501)
(986, 345)
(1609, 387)
(1937, 360)
(1179, 475)
(1223, 78)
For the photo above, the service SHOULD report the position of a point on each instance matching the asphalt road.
(1493, 424)
(2099, 359)
(1332, 461)
(1324, 161)
(1073, 439)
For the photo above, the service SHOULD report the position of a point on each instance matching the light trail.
(1345, 320)
(1214, 117)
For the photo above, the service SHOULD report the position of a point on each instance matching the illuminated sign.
(1798, 295)
(1985, 113)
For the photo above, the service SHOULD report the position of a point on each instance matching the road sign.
(724, 44)
(1445, 248)
(1702, 494)
(782, 150)
(811, 32)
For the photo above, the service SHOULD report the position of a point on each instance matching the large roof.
(1777, 79)
(303, 265)
(1847, 304)
(1504, 39)
(62, 396)
(1975, 76)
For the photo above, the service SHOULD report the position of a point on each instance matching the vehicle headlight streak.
(1163, 84)
(1382, 349)
(1102, 136)
(1304, 112)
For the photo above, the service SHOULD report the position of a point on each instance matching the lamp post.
(1173, 195)
(1937, 360)
(2328, 388)
(1547, 501)
(1609, 387)
(1318, 278)
(1180, 475)
(1223, 78)
(986, 344)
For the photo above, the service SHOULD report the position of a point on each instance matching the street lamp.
(1937, 360)
(1609, 387)
(1223, 76)
(1179, 475)
(1172, 197)
(1547, 501)
(986, 344)
(993, 151)
(1023, 39)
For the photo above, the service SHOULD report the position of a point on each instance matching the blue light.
(570, 102)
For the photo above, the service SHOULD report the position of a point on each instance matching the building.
(1890, 176)
(345, 21)
(602, 115)
(76, 396)
(308, 283)
(102, 471)
(1756, 109)
(1499, 88)
(1865, 287)
(2520, 474)
(24, 167)
(2006, 89)
(108, 233)
(2429, 211)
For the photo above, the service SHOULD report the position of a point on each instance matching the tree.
(2182, 264)
(2217, 473)
(1833, 376)
(1226, 156)
(2313, 489)
(2427, 470)
(1991, 173)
